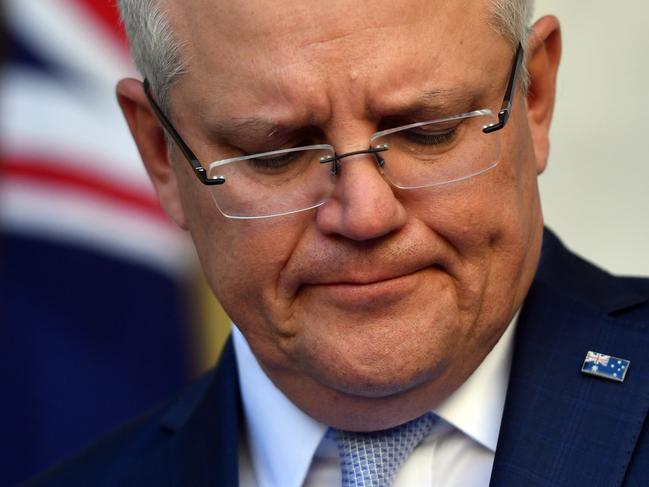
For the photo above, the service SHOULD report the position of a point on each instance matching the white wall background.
(596, 188)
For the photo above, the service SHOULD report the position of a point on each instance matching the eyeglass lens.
(418, 156)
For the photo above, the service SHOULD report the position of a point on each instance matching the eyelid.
(269, 153)
(272, 162)
(437, 127)
(280, 140)
(285, 145)
(475, 113)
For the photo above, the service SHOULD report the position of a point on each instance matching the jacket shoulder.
(574, 278)
(109, 461)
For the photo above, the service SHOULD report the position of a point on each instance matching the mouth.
(379, 291)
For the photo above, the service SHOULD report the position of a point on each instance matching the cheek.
(493, 211)
(493, 224)
(242, 261)
(471, 216)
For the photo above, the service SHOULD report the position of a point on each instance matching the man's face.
(380, 303)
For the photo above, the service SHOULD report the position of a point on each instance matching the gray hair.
(512, 19)
(155, 50)
(157, 53)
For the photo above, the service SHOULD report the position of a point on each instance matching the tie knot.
(372, 459)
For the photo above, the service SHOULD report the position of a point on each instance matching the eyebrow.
(433, 102)
(444, 97)
(244, 125)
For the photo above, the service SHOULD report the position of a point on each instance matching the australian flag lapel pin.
(605, 366)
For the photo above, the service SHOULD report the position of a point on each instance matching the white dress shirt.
(284, 447)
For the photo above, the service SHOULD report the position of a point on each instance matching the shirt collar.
(272, 419)
(476, 407)
(279, 434)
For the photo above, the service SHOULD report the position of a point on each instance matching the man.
(362, 193)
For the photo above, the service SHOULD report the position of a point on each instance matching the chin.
(381, 385)
(376, 356)
(372, 374)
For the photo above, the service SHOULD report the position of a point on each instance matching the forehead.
(315, 55)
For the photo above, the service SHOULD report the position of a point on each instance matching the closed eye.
(277, 161)
(425, 137)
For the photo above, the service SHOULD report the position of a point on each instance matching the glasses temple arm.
(506, 108)
(173, 133)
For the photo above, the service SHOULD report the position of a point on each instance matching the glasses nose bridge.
(372, 151)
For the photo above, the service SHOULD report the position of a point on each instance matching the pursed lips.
(355, 287)
(363, 279)
(334, 262)
(377, 291)
(361, 274)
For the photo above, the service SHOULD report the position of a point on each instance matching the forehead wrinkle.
(323, 58)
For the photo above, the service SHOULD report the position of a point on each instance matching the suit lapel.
(559, 426)
(202, 429)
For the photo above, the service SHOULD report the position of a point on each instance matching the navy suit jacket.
(559, 428)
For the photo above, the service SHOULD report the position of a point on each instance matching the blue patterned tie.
(373, 459)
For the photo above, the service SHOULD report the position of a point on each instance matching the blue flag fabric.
(92, 314)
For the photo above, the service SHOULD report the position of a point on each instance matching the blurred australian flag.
(92, 320)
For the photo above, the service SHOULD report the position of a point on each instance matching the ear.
(150, 141)
(543, 56)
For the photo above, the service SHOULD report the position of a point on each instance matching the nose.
(363, 205)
